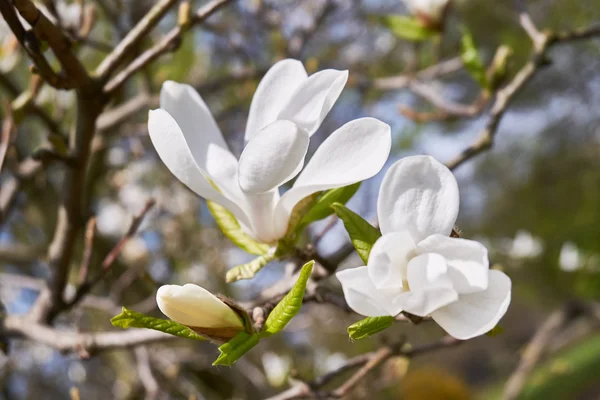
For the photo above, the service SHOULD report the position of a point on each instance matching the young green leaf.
(472, 60)
(408, 28)
(362, 234)
(133, 319)
(369, 326)
(289, 306)
(322, 208)
(230, 226)
(497, 330)
(236, 347)
(248, 270)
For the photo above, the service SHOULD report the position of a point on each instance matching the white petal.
(430, 285)
(360, 293)
(353, 153)
(170, 144)
(418, 194)
(273, 156)
(273, 92)
(312, 100)
(468, 262)
(475, 314)
(388, 259)
(201, 132)
(192, 305)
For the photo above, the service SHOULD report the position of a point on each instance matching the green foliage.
(472, 59)
(322, 208)
(248, 270)
(132, 319)
(369, 326)
(290, 305)
(236, 348)
(362, 234)
(497, 330)
(408, 28)
(230, 226)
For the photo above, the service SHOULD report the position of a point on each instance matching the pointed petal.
(314, 98)
(418, 194)
(273, 92)
(430, 285)
(475, 314)
(195, 306)
(273, 156)
(468, 262)
(388, 259)
(203, 136)
(170, 144)
(353, 153)
(361, 295)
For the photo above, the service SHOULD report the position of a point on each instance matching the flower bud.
(199, 309)
(430, 12)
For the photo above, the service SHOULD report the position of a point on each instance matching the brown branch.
(299, 40)
(168, 43)
(133, 38)
(433, 72)
(506, 95)
(73, 341)
(538, 345)
(8, 126)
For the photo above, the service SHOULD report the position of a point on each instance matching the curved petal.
(388, 259)
(194, 306)
(273, 92)
(475, 314)
(360, 293)
(468, 263)
(273, 156)
(314, 98)
(418, 194)
(430, 285)
(170, 144)
(204, 139)
(353, 153)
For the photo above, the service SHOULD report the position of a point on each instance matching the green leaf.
(230, 226)
(294, 224)
(132, 319)
(247, 271)
(289, 306)
(322, 208)
(362, 234)
(236, 347)
(369, 326)
(497, 330)
(408, 28)
(472, 60)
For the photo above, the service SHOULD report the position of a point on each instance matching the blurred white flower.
(429, 10)
(9, 48)
(416, 267)
(570, 258)
(286, 110)
(111, 219)
(525, 245)
(196, 307)
(276, 367)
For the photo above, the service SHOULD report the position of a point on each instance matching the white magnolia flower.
(569, 259)
(430, 10)
(525, 245)
(9, 52)
(286, 110)
(416, 267)
(196, 307)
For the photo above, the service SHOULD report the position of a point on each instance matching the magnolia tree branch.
(168, 43)
(543, 42)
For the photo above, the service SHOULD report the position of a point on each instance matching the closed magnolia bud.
(197, 308)
(430, 12)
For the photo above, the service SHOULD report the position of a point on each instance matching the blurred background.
(533, 198)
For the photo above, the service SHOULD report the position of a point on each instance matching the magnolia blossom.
(415, 266)
(9, 54)
(569, 259)
(431, 11)
(286, 110)
(196, 307)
